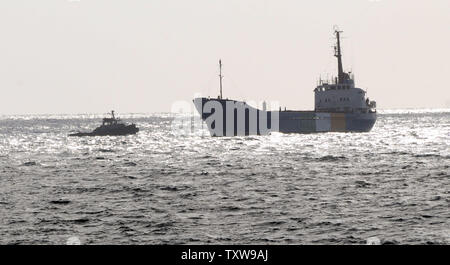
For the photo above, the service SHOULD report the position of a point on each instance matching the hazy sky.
(60, 56)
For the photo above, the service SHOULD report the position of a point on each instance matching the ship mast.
(220, 76)
(337, 53)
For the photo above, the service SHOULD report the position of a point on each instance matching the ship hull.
(234, 118)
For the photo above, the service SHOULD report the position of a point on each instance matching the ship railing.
(334, 81)
(346, 110)
(327, 87)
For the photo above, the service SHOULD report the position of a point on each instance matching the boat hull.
(120, 131)
(233, 118)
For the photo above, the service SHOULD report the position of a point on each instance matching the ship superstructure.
(340, 93)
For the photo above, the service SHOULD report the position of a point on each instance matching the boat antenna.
(220, 76)
(338, 54)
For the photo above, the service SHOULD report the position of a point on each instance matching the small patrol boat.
(111, 126)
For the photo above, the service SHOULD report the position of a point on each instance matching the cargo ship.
(340, 106)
